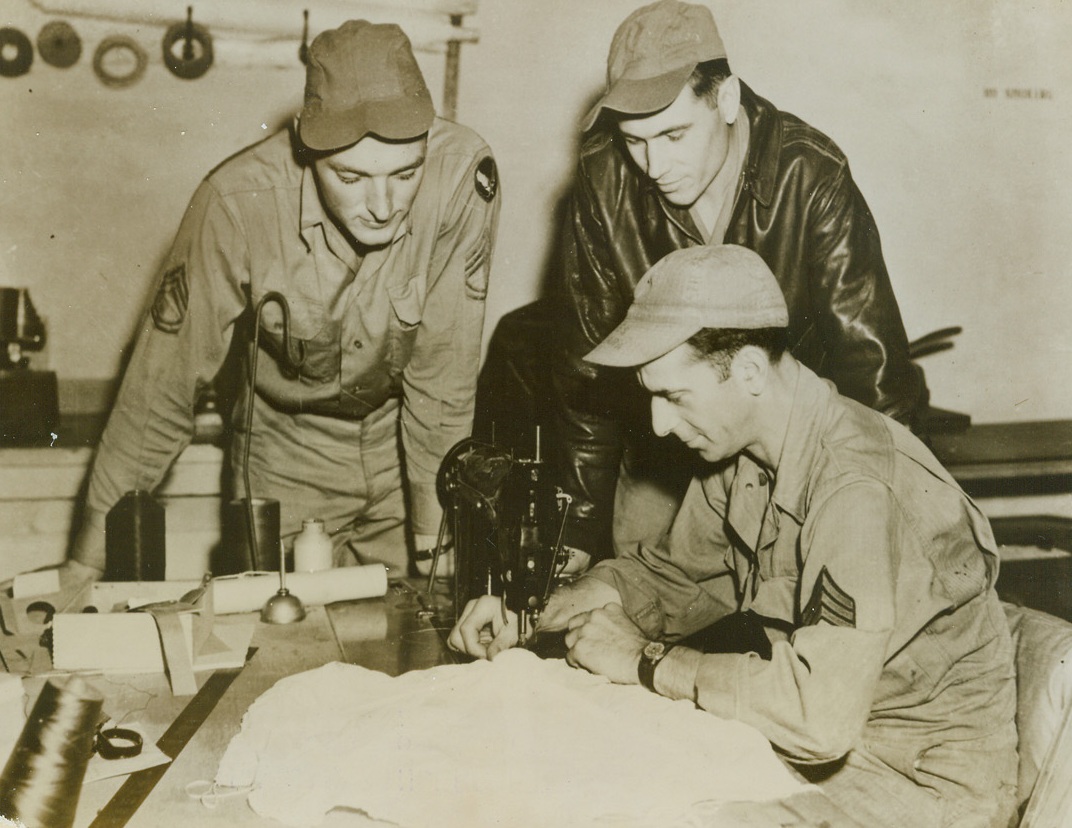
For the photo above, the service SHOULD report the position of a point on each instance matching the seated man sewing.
(837, 583)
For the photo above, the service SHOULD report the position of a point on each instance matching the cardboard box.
(168, 635)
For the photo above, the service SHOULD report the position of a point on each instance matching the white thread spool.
(313, 551)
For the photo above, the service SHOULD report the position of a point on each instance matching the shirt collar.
(803, 441)
(727, 181)
(311, 210)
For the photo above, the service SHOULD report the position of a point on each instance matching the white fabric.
(515, 742)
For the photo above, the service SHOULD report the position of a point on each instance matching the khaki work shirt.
(873, 574)
(403, 321)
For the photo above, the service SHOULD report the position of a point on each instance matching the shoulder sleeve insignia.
(172, 300)
(486, 178)
(829, 603)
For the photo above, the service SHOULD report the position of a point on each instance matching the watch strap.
(647, 665)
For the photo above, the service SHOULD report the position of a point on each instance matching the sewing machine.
(506, 521)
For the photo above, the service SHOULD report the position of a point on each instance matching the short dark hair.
(720, 345)
(707, 77)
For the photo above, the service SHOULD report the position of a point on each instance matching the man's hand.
(88, 549)
(604, 641)
(74, 573)
(470, 635)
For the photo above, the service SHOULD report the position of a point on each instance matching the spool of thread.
(134, 544)
(234, 553)
(42, 779)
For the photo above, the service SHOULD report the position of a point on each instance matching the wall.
(94, 181)
(967, 188)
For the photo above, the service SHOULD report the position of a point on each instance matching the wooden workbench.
(1006, 452)
(394, 634)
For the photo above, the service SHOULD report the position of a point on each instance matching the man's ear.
(751, 365)
(729, 98)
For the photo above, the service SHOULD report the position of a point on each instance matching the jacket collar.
(765, 145)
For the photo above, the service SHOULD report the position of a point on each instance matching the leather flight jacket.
(799, 208)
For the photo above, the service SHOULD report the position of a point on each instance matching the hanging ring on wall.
(19, 63)
(195, 56)
(59, 44)
(119, 44)
(303, 50)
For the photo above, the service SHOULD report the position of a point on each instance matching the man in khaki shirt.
(375, 221)
(826, 580)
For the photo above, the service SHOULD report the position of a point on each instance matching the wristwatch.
(652, 654)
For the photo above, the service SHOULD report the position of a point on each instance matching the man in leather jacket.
(682, 153)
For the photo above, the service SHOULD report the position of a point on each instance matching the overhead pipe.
(428, 23)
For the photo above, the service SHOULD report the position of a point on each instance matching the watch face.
(654, 650)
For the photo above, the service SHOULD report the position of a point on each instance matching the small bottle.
(313, 550)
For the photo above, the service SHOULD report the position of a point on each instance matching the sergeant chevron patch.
(172, 300)
(829, 603)
(476, 267)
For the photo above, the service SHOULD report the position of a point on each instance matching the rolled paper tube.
(362, 621)
(42, 779)
(247, 593)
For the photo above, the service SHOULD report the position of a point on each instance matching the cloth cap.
(652, 55)
(362, 77)
(710, 286)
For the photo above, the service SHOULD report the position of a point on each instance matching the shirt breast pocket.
(405, 319)
(313, 352)
(776, 598)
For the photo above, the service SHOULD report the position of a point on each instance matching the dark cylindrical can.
(134, 539)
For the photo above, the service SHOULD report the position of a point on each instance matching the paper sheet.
(519, 742)
(150, 756)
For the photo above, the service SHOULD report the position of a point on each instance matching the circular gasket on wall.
(125, 49)
(59, 44)
(16, 52)
(194, 57)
